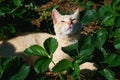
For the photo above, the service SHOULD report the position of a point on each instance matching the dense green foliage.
(102, 48)
(45, 55)
(15, 17)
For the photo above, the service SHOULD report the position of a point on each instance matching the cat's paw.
(87, 69)
(89, 66)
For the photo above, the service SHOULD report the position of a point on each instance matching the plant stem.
(14, 9)
(61, 78)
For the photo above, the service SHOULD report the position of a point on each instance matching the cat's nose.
(69, 22)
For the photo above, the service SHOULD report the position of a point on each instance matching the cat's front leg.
(88, 65)
(88, 69)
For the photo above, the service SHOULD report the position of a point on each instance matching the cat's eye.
(62, 21)
(73, 19)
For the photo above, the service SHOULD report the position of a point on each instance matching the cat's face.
(65, 24)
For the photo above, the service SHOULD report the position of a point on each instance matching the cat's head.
(66, 24)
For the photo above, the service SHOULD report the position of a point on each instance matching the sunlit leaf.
(37, 51)
(50, 45)
(76, 69)
(41, 65)
(62, 66)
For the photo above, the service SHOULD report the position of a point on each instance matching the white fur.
(64, 35)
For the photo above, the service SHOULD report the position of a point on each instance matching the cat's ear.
(55, 15)
(76, 13)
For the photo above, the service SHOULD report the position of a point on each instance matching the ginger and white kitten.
(67, 30)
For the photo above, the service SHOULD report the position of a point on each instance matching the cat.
(67, 31)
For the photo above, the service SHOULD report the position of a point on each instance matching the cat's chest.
(66, 42)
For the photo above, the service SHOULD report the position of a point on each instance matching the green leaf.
(71, 50)
(86, 45)
(5, 9)
(8, 29)
(12, 29)
(85, 49)
(105, 11)
(101, 37)
(101, 53)
(41, 65)
(108, 20)
(1, 13)
(50, 45)
(117, 43)
(117, 21)
(107, 74)
(83, 58)
(117, 39)
(89, 16)
(1, 71)
(1, 1)
(55, 6)
(37, 51)
(117, 33)
(22, 74)
(17, 2)
(76, 69)
(7, 62)
(113, 60)
(89, 4)
(59, 66)
(1, 68)
(115, 3)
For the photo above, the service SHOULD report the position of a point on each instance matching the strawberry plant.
(45, 58)
(13, 15)
(101, 48)
(95, 47)
(13, 68)
(45, 55)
